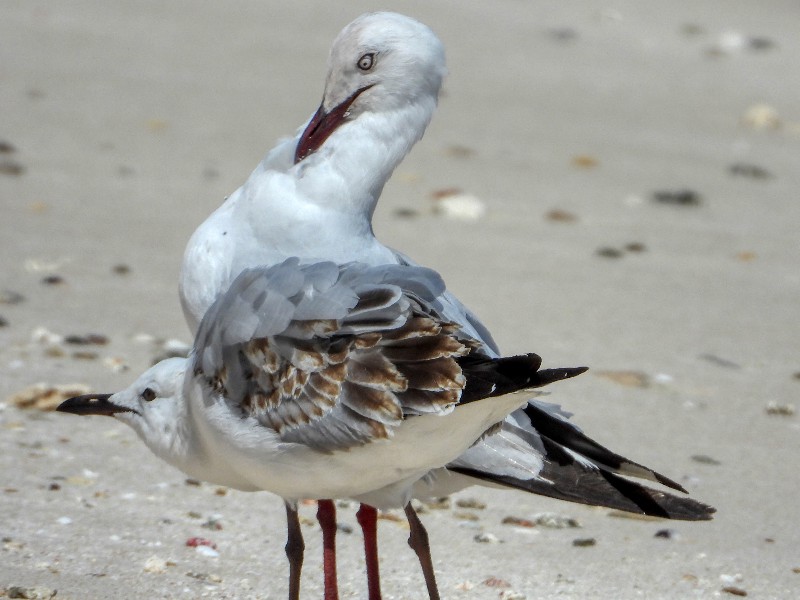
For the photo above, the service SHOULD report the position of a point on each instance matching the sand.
(125, 124)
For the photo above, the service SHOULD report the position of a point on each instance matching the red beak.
(322, 125)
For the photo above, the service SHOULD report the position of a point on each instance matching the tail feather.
(566, 478)
(487, 377)
(569, 436)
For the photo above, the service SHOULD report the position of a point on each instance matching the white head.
(153, 406)
(380, 62)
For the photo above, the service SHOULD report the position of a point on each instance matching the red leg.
(368, 519)
(326, 515)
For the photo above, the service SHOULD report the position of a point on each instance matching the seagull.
(322, 381)
(313, 197)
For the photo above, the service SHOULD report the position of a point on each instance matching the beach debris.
(635, 247)
(749, 170)
(156, 564)
(637, 379)
(584, 542)
(558, 215)
(705, 459)
(53, 280)
(30, 593)
(438, 503)
(719, 361)
(780, 409)
(472, 503)
(679, 197)
(609, 252)
(667, 534)
(555, 521)
(86, 340)
(729, 43)
(584, 161)
(459, 151)
(452, 203)
(761, 116)
(517, 522)
(465, 515)
(195, 542)
(10, 167)
(205, 577)
(214, 522)
(45, 396)
(495, 582)
(11, 297)
(406, 213)
(562, 34)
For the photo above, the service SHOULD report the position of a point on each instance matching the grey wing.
(452, 309)
(331, 356)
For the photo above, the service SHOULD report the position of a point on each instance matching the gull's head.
(380, 62)
(153, 406)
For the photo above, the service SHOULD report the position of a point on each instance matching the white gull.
(322, 381)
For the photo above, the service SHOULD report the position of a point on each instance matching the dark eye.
(365, 62)
(148, 395)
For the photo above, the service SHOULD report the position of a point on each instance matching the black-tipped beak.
(322, 125)
(92, 404)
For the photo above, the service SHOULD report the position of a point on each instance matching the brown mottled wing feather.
(329, 356)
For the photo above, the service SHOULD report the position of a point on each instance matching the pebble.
(121, 269)
(486, 538)
(761, 116)
(156, 564)
(555, 521)
(609, 252)
(63, 520)
(6, 147)
(558, 215)
(473, 503)
(511, 595)
(780, 409)
(3, 321)
(584, 542)
(584, 161)
(11, 297)
(42, 335)
(459, 206)
(705, 459)
(46, 397)
(207, 551)
(496, 582)
(53, 280)
(748, 170)
(626, 378)
(30, 593)
(667, 534)
(734, 591)
(683, 197)
(11, 167)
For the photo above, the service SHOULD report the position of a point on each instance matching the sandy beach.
(637, 167)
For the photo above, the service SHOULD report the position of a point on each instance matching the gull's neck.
(349, 171)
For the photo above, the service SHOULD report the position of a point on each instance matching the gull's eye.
(148, 395)
(365, 62)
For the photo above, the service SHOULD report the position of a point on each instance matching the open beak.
(323, 124)
(92, 404)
